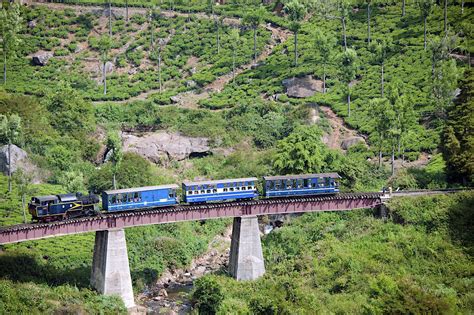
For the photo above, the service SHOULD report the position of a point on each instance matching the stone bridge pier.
(111, 271)
(246, 257)
(110, 267)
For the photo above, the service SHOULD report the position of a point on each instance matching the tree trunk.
(462, 7)
(393, 159)
(348, 100)
(233, 66)
(159, 70)
(403, 7)
(380, 153)
(104, 77)
(344, 32)
(255, 45)
(324, 79)
(296, 48)
(424, 31)
(110, 18)
(445, 16)
(4, 65)
(368, 23)
(114, 182)
(126, 10)
(9, 166)
(23, 207)
(382, 81)
(218, 41)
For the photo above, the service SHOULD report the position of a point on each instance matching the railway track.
(202, 207)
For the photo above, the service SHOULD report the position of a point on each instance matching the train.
(65, 206)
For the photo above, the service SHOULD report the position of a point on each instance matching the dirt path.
(339, 130)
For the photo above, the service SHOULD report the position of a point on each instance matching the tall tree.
(445, 16)
(441, 48)
(343, 7)
(348, 65)
(253, 19)
(296, 12)
(235, 41)
(10, 130)
(325, 44)
(457, 142)
(105, 44)
(156, 54)
(404, 116)
(443, 87)
(114, 146)
(368, 4)
(425, 6)
(10, 25)
(110, 17)
(23, 184)
(380, 49)
(403, 7)
(381, 114)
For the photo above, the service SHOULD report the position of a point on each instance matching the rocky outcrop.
(41, 59)
(349, 142)
(302, 87)
(161, 147)
(109, 67)
(19, 160)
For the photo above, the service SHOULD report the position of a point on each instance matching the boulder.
(349, 142)
(19, 159)
(159, 147)
(302, 87)
(32, 24)
(190, 83)
(41, 59)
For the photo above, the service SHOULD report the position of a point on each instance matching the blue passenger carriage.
(300, 185)
(139, 198)
(220, 190)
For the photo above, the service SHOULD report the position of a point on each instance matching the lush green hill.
(418, 261)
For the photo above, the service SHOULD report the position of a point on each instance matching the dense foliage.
(419, 261)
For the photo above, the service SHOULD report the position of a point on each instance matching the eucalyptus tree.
(425, 6)
(380, 49)
(236, 42)
(296, 12)
(114, 146)
(403, 7)
(441, 48)
(368, 4)
(105, 44)
(10, 26)
(23, 183)
(404, 116)
(445, 16)
(343, 7)
(253, 19)
(156, 53)
(381, 113)
(10, 131)
(110, 17)
(443, 87)
(348, 63)
(324, 44)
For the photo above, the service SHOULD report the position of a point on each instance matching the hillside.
(178, 91)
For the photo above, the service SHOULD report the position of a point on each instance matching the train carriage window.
(190, 192)
(203, 191)
(171, 193)
(244, 188)
(119, 198)
(135, 197)
(231, 188)
(294, 184)
(214, 190)
(305, 182)
(208, 191)
(225, 189)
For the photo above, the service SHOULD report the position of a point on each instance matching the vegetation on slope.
(419, 261)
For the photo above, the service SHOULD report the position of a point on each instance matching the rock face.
(159, 147)
(41, 59)
(302, 87)
(19, 159)
(349, 142)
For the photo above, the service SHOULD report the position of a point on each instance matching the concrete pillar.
(110, 269)
(246, 257)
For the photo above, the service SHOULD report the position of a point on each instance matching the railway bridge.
(110, 267)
